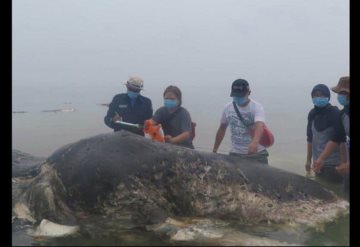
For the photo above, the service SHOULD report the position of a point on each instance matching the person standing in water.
(324, 135)
(174, 119)
(252, 113)
(343, 96)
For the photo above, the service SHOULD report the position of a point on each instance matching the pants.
(330, 174)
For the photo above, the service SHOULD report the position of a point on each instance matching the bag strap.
(167, 121)
(239, 115)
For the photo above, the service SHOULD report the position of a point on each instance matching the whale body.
(122, 175)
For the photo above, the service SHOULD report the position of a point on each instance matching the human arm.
(344, 167)
(184, 131)
(309, 141)
(259, 122)
(259, 129)
(329, 149)
(112, 114)
(337, 137)
(219, 136)
(343, 153)
(308, 157)
(179, 138)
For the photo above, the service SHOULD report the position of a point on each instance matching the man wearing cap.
(130, 107)
(252, 114)
(324, 135)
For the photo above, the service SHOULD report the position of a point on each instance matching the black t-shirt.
(323, 118)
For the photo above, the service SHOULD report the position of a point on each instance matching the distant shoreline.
(19, 112)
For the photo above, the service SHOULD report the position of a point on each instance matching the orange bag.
(154, 131)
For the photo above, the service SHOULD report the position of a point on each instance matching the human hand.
(317, 165)
(168, 138)
(252, 148)
(343, 168)
(117, 117)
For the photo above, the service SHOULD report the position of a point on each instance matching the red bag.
(267, 138)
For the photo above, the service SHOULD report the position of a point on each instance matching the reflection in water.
(195, 231)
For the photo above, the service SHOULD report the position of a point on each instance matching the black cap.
(239, 88)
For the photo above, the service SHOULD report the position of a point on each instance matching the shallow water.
(210, 232)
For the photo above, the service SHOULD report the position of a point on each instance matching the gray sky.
(73, 46)
(81, 51)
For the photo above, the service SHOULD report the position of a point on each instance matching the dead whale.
(24, 164)
(122, 175)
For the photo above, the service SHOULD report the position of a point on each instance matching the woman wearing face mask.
(174, 119)
(324, 135)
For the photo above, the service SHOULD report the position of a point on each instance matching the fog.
(81, 51)
(203, 44)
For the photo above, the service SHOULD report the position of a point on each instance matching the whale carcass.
(122, 175)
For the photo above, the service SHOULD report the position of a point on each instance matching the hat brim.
(340, 89)
(133, 87)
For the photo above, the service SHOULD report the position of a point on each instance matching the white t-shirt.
(240, 134)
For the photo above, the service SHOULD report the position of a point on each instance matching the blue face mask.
(342, 99)
(132, 95)
(320, 101)
(240, 100)
(170, 103)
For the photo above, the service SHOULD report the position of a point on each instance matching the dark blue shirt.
(136, 112)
